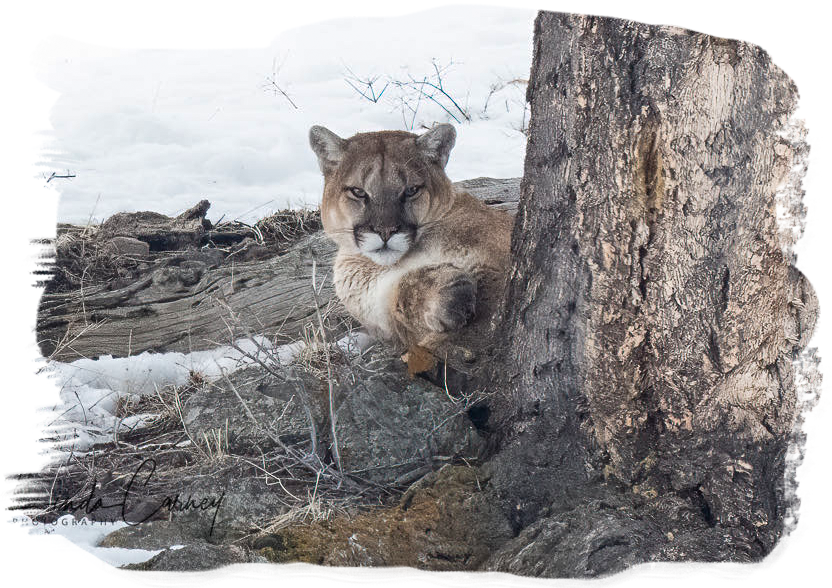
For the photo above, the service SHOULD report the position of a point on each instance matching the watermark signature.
(141, 477)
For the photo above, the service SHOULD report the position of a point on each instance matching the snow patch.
(160, 130)
(90, 389)
(88, 534)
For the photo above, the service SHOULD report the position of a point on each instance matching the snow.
(355, 343)
(90, 389)
(87, 534)
(161, 129)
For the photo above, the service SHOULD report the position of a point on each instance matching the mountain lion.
(417, 261)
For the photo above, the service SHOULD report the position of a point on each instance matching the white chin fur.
(384, 256)
(374, 248)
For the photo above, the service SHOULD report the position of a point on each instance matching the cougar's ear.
(328, 146)
(437, 143)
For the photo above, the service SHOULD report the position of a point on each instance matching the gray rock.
(248, 504)
(388, 425)
(155, 535)
(393, 427)
(199, 556)
(275, 405)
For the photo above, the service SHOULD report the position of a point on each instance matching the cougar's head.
(382, 189)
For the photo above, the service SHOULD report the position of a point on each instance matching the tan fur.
(454, 268)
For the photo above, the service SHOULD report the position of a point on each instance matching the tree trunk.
(653, 314)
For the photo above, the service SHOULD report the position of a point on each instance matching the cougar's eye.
(358, 192)
(412, 191)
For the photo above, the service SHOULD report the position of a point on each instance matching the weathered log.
(187, 305)
(157, 230)
(186, 302)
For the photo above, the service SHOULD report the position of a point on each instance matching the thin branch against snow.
(366, 87)
(412, 92)
(439, 87)
(516, 89)
(272, 85)
(57, 176)
(431, 87)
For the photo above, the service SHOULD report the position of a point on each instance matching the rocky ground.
(223, 466)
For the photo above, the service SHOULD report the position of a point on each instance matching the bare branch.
(368, 85)
(272, 85)
(57, 176)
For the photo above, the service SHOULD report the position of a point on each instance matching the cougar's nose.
(386, 232)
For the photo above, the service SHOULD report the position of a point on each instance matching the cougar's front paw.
(452, 305)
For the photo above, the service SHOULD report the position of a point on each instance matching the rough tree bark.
(654, 313)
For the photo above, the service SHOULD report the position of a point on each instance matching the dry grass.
(309, 486)
(108, 467)
(83, 262)
(303, 473)
(286, 226)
